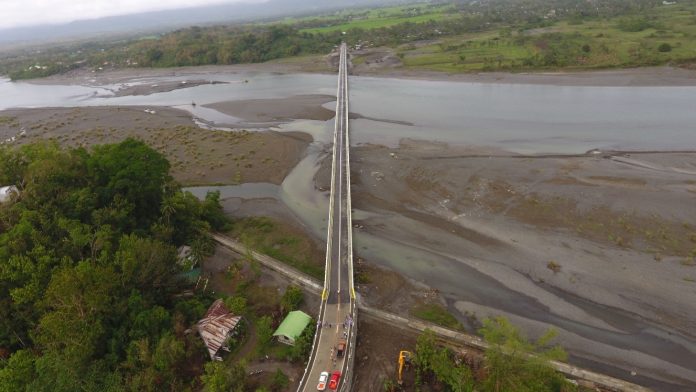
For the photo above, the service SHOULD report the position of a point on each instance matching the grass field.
(281, 242)
(376, 18)
(665, 34)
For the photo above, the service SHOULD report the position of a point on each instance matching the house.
(7, 192)
(218, 325)
(292, 327)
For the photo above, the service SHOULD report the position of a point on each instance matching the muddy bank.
(383, 62)
(153, 88)
(197, 155)
(648, 76)
(597, 248)
(86, 77)
(307, 107)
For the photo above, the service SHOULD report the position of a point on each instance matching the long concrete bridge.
(337, 320)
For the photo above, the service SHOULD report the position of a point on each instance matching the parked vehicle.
(323, 378)
(341, 348)
(335, 377)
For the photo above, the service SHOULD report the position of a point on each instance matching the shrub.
(664, 47)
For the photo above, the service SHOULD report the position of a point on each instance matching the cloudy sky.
(16, 13)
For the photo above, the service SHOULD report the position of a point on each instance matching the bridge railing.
(352, 332)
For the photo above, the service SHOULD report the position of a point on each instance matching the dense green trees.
(220, 377)
(436, 362)
(227, 45)
(88, 269)
(292, 299)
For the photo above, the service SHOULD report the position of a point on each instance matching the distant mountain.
(169, 19)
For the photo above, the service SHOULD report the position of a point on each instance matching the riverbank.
(629, 77)
(197, 155)
(383, 68)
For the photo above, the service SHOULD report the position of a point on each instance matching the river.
(515, 117)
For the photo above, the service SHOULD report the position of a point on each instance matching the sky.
(17, 13)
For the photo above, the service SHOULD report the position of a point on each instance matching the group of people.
(347, 323)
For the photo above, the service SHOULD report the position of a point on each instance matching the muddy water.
(518, 117)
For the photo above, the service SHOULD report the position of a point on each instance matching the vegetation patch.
(437, 314)
(281, 242)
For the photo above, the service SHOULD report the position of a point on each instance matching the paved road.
(337, 305)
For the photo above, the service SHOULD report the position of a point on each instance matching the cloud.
(16, 13)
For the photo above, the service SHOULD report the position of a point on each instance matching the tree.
(168, 354)
(147, 265)
(292, 299)
(132, 174)
(150, 323)
(513, 363)
(78, 300)
(236, 304)
(664, 47)
(439, 363)
(211, 211)
(18, 372)
(264, 332)
(280, 381)
(201, 246)
(221, 377)
(303, 344)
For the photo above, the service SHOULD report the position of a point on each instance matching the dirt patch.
(378, 347)
(374, 60)
(197, 155)
(279, 109)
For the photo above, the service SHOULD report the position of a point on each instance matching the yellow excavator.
(404, 360)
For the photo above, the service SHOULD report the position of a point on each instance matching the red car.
(333, 383)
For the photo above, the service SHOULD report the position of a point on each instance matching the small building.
(218, 325)
(7, 192)
(292, 327)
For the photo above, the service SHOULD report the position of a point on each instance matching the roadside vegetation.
(511, 363)
(279, 241)
(457, 36)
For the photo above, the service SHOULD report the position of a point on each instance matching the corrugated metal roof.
(6, 192)
(293, 325)
(216, 325)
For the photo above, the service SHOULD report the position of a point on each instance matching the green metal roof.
(293, 325)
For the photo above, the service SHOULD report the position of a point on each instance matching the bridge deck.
(336, 315)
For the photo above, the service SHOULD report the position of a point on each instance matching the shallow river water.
(517, 117)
